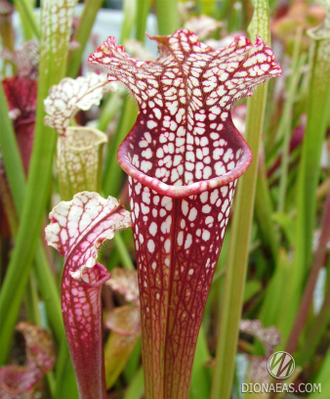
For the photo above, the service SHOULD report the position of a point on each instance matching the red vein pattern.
(77, 231)
(183, 157)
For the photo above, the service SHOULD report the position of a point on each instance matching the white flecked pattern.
(183, 157)
(72, 95)
(77, 230)
(78, 160)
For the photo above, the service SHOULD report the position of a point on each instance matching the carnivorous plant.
(183, 157)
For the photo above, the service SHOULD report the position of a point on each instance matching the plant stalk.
(241, 229)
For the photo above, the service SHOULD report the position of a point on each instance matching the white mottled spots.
(219, 168)
(55, 229)
(240, 74)
(207, 172)
(204, 197)
(224, 76)
(174, 175)
(166, 226)
(200, 117)
(157, 113)
(224, 191)
(238, 153)
(173, 107)
(160, 153)
(145, 166)
(200, 130)
(204, 141)
(146, 196)
(217, 153)
(214, 196)
(184, 207)
(180, 238)
(151, 248)
(206, 235)
(167, 203)
(136, 209)
(173, 126)
(145, 209)
(224, 206)
(61, 220)
(153, 228)
(224, 100)
(188, 241)
(85, 221)
(224, 116)
(192, 214)
(206, 209)
(179, 115)
(152, 92)
(209, 220)
(147, 153)
(151, 124)
(191, 272)
(72, 227)
(167, 245)
(231, 165)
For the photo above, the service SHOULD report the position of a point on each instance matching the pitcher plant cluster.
(182, 159)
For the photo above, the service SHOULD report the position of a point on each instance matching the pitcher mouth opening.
(243, 160)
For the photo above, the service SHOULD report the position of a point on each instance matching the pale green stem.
(82, 34)
(112, 172)
(309, 170)
(167, 16)
(129, 10)
(46, 284)
(112, 105)
(123, 253)
(201, 376)
(285, 128)
(136, 387)
(29, 23)
(52, 67)
(264, 211)
(32, 302)
(236, 267)
(143, 7)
